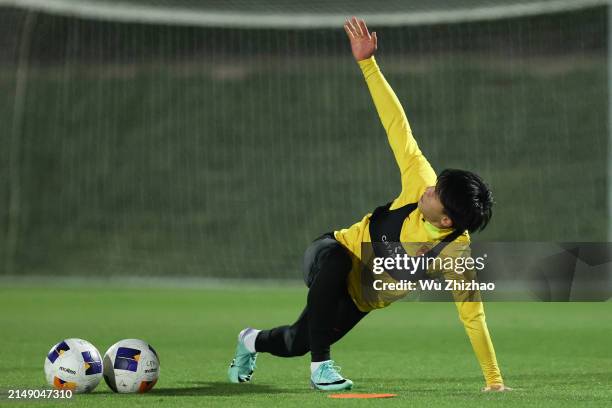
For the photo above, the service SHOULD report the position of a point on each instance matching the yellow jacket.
(416, 175)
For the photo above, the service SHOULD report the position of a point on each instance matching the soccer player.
(429, 209)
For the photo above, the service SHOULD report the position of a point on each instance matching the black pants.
(330, 312)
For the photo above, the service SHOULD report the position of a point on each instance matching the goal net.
(218, 138)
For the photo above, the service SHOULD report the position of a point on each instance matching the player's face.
(432, 209)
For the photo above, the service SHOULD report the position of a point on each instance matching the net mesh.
(168, 150)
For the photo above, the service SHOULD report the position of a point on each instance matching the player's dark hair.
(467, 200)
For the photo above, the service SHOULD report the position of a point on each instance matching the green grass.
(555, 355)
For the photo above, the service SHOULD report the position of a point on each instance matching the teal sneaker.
(242, 366)
(327, 378)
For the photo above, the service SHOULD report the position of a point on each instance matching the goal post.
(291, 14)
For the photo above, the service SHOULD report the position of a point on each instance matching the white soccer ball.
(73, 364)
(131, 365)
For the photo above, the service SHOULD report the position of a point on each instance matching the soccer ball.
(131, 365)
(73, 364)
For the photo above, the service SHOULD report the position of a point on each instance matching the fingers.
(357, 25)
(364, 29)
(356, 28)
(496, 388)
(375, 40)
(348, 25)
(348, 31)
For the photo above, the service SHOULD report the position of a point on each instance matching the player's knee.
(334, 257)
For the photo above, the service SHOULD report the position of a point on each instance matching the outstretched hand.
(496, 388)
(363, 44)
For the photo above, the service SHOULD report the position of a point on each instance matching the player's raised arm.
(415, 170)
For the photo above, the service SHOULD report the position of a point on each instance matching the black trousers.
(330, 312)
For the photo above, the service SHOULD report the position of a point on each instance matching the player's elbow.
(471, 317)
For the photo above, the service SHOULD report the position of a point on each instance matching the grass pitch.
(554, 354)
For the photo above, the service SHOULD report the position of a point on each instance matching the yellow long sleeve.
(416, 172)
(473, 318)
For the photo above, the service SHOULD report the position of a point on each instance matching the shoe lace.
(330, 371)
(248, 361)
(252, 362)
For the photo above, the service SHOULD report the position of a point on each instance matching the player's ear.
(446, 222)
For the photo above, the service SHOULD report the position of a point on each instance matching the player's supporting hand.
(363, 44)
(496, 388)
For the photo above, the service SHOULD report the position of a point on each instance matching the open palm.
(363, 44)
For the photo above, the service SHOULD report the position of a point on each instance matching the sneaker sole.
(334, 387)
